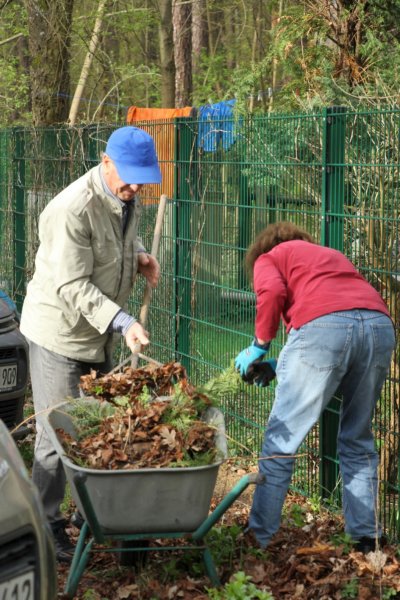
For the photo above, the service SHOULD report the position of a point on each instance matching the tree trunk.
(20, 49)
(87, 63)
(49, 26)
(274, 76)
(182, 27)
(199, 32)
(167, 64)
(346, 22)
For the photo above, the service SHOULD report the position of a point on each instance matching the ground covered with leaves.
(310, 558)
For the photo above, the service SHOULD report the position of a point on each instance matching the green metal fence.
(334, 172)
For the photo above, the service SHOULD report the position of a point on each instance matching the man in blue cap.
(86, 264)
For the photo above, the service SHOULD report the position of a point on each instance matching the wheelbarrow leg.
(90, 515)
(210, 568)
(225, 503)
(217, 513)
(79, 562)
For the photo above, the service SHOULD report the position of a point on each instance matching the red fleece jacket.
(299, 282)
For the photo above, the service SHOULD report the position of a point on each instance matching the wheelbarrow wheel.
(133, 558)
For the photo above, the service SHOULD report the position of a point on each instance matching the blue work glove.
(247, 356)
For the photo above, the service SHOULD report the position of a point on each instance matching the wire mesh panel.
(257, 171)
(333, 172)
(371, 240)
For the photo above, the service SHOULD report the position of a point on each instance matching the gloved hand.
(247, 356)
(261, 372)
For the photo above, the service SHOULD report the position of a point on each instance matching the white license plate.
(8, 381)
(18, 588)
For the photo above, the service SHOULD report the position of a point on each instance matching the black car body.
(27, 556)
(13, 368)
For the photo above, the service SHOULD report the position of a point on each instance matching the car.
(13, 367)
(27, 554)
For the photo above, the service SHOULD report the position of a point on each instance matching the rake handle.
(144, 311)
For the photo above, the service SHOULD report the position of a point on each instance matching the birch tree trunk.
(87, 63)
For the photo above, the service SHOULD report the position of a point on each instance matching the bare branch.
(12, 38)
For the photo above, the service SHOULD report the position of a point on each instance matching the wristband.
(262, 346)
(121, 322)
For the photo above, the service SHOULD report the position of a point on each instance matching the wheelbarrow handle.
(256, 478)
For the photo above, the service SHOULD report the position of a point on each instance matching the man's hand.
(149, 267)
(135, 335)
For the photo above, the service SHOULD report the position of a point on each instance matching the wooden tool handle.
(144, 311)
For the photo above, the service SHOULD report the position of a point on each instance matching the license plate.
(18, 588)
(8, 381)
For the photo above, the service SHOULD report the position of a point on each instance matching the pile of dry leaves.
(146, 417)
(160, 380)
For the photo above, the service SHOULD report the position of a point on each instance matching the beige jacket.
(84, 270)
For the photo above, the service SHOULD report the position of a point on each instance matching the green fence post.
(332, 232)
(183, 263)
(335, 176)
(3, 182)
(19, 218)
(246, 202)
(175, 230)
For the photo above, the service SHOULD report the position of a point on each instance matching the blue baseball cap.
(133, 152)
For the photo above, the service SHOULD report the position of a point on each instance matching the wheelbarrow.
(129, 507)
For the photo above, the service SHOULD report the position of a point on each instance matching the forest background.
(83, 61)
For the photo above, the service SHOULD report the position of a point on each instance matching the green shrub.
(239, 587)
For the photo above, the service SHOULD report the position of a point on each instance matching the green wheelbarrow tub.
(146, 500)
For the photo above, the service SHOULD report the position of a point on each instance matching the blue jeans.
(54, 378)
(346, 351)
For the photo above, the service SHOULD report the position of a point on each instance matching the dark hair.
(271, 236)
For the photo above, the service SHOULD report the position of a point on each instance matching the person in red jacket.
(340, 339)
